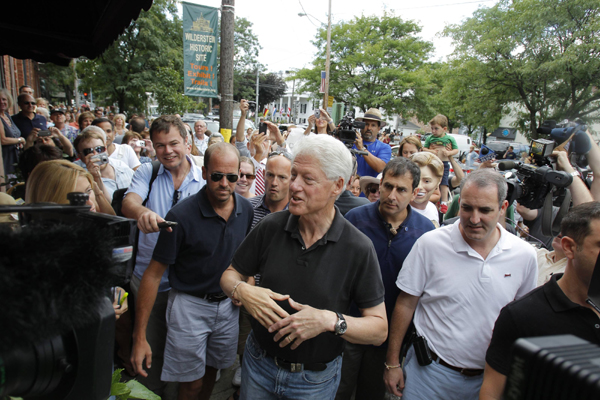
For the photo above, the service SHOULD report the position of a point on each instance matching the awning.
(57, 31)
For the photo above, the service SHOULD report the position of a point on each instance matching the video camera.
(575, 131)
(347, 130)
(58, 322)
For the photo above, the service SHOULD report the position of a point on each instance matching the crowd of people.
(328, 273)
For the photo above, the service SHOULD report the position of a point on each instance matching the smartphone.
(262, 128)
(166, 224)
(317, 113)
(44, 133)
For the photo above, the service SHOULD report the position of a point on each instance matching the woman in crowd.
(323, 124)
(108, 176)
(120, 129)
(247, 175)
(144, 153)
(51, 181)
(10, 135)
(409, 146)
(44, 113)
(370, 187)
(85, 119)
(432, 170)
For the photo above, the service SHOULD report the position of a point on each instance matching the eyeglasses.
(373, 189)
(284, 153)
(176, 197)
(99, 149)
(248, 176)
(217, 176)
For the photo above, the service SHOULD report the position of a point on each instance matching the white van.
(464, 144)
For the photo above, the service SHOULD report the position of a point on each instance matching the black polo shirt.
(26, 125)
(200, 248)
(542, 312)
(347, 201)
(339, 268)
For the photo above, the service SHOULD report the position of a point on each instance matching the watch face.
(343, 327)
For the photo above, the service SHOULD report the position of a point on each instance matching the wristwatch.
(340, 325)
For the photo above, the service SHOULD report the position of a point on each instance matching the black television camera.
(347, 130)
(560, 133)
(58, 322)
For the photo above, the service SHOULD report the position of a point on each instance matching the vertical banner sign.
(200, 33)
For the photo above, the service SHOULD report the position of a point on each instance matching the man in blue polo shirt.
(27, 120)
(202, 323)
(393, 228)
(379, 153)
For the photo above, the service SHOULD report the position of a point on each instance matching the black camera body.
(347, 130)
(531, 184)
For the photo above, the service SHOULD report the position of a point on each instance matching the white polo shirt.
(461, 294)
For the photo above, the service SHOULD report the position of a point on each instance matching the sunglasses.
(31, 103)
(217, 176)
(99, 149)
(284, 153)
(176, 197)
(248, 176)
(373, 189)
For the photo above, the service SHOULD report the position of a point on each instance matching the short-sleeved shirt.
(201, 144)
(124, 153)
(339, 268)
(510, 155)
(460, 293)
(440, 141)
(391, 249)
(160, 201)
(70, 132)
(347, 201)
(26, 125)
(201, 247)
(378, 149)
(543, 312)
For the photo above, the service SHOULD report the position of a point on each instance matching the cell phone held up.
(44, 133)
(262, 128)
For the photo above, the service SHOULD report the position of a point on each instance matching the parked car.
(499, 148)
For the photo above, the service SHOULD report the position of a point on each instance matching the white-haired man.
(321, 263)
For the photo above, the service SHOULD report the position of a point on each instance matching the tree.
(375, 62)
(129, 67)
(541, 56)
(56, 78)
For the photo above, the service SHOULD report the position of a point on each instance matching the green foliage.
(55, 78)
(129, 390)
(169, 93)
(375, 62)
(540, 55)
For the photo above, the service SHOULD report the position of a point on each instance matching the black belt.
(298, 367)
(213, 297)
(463, 371)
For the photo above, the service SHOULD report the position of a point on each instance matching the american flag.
(323, 77)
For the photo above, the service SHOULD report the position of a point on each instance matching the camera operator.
(379, 153)
(579, 194)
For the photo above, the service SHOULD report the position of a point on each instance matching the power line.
(305, 13)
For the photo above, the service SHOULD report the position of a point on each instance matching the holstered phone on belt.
(422, 350)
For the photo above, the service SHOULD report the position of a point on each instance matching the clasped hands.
(307, 323)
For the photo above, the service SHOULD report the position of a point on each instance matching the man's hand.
(148, 222)
(394, 381)
(307, 323)
(274, 133)
(260, 303)
(359, 142)
(120, 309)
(562, 161)
(244, 107)
(141, 350)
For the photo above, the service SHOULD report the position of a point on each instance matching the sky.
(286, 37)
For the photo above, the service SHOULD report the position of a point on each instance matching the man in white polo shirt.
(455, 281)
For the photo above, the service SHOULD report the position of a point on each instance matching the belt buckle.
(295, 367)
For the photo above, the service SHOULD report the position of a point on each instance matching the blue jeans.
(262, 379)
(436, 382)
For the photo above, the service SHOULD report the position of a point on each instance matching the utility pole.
(76, 83)
(327, 61)
(257, 106)
(227, 31)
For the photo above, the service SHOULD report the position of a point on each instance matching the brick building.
(15, 73)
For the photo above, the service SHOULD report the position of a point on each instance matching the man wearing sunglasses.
(177, 178)
(202, 322)
(27, 120)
